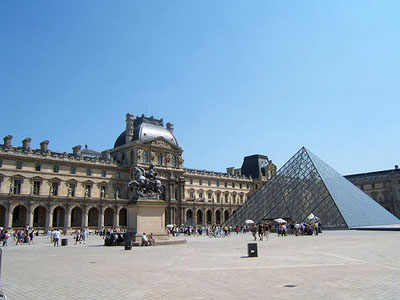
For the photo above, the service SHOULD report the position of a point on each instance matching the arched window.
(145, 157)
(159, 159)
(173, 161)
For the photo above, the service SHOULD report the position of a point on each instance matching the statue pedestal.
(146, 215)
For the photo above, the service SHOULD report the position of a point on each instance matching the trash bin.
(64, 242)
(128, 245)
(252, 250)
(26, 239)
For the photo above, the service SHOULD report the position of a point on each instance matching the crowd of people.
(148, 240)
(112, 237)
(25, 235)
(260, 231)
(115, 237)
(205, 230)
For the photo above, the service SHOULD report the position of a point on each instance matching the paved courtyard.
(333, 265)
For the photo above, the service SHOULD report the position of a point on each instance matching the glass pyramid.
(306, 185)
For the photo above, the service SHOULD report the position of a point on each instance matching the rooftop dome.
(146, 129)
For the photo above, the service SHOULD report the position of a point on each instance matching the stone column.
(172, 191)
(213, 217)
(67, 219)
(8, 215)
(116, 218)
(29, 216)
(85, 218)
(101, 217)
(182, 191)
(169, 193)
(48, 219)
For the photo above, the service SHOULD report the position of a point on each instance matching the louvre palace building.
(89, 189)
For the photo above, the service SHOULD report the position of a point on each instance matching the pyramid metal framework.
(305, 185)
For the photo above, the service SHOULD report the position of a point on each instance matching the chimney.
(170, 127)
(44, 146)
(129, 128)
(7, 141)
(26, 144)
(77, 150)
(106, 154)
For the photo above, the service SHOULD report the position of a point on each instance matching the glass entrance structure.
(306, 185)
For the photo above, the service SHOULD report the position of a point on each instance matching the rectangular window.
(38, 167)
(201, 195)
(362, 187)
(36, 188)
(103, 173)
(218, 197)
(373, 185)
(226, 198)
(226, 184)
(1, 163)
(73, 170)
(217, 183)
(233, 184)
(240, 185)
(247, 186)
(191, 195)
(18, 165)
(241, 199)
(88, 191)
(209, 182)
(88, 171)
(102, 192)
(72, 188)
(117, 174)
(56, 168)
(256, 186)
(17, 186)
(209, 196)
(191, 181)
(200, 181)
(54, 188)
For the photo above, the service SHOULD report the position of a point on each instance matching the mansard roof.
(146, 129)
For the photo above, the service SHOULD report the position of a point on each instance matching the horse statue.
(146, 184)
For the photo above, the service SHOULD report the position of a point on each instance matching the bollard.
(2, 294)
(128, 245)
(252, 250)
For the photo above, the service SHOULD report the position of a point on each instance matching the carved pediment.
(161, 143)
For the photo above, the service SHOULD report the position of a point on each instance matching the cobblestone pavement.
(332, 265)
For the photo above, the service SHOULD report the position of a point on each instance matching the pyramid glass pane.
(357, 208)
(305, 185)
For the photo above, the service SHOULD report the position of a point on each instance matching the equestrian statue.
(146, 183)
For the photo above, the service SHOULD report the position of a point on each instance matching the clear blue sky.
(235, 77)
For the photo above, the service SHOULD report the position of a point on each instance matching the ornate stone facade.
(382, 186)
(88, 189)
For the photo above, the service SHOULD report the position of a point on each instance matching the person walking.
(84, 236)
(77, 236)
(19, 237)
(260, 231)
(254, 232)
(31, 235)
(5, 238)
(56, 237)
